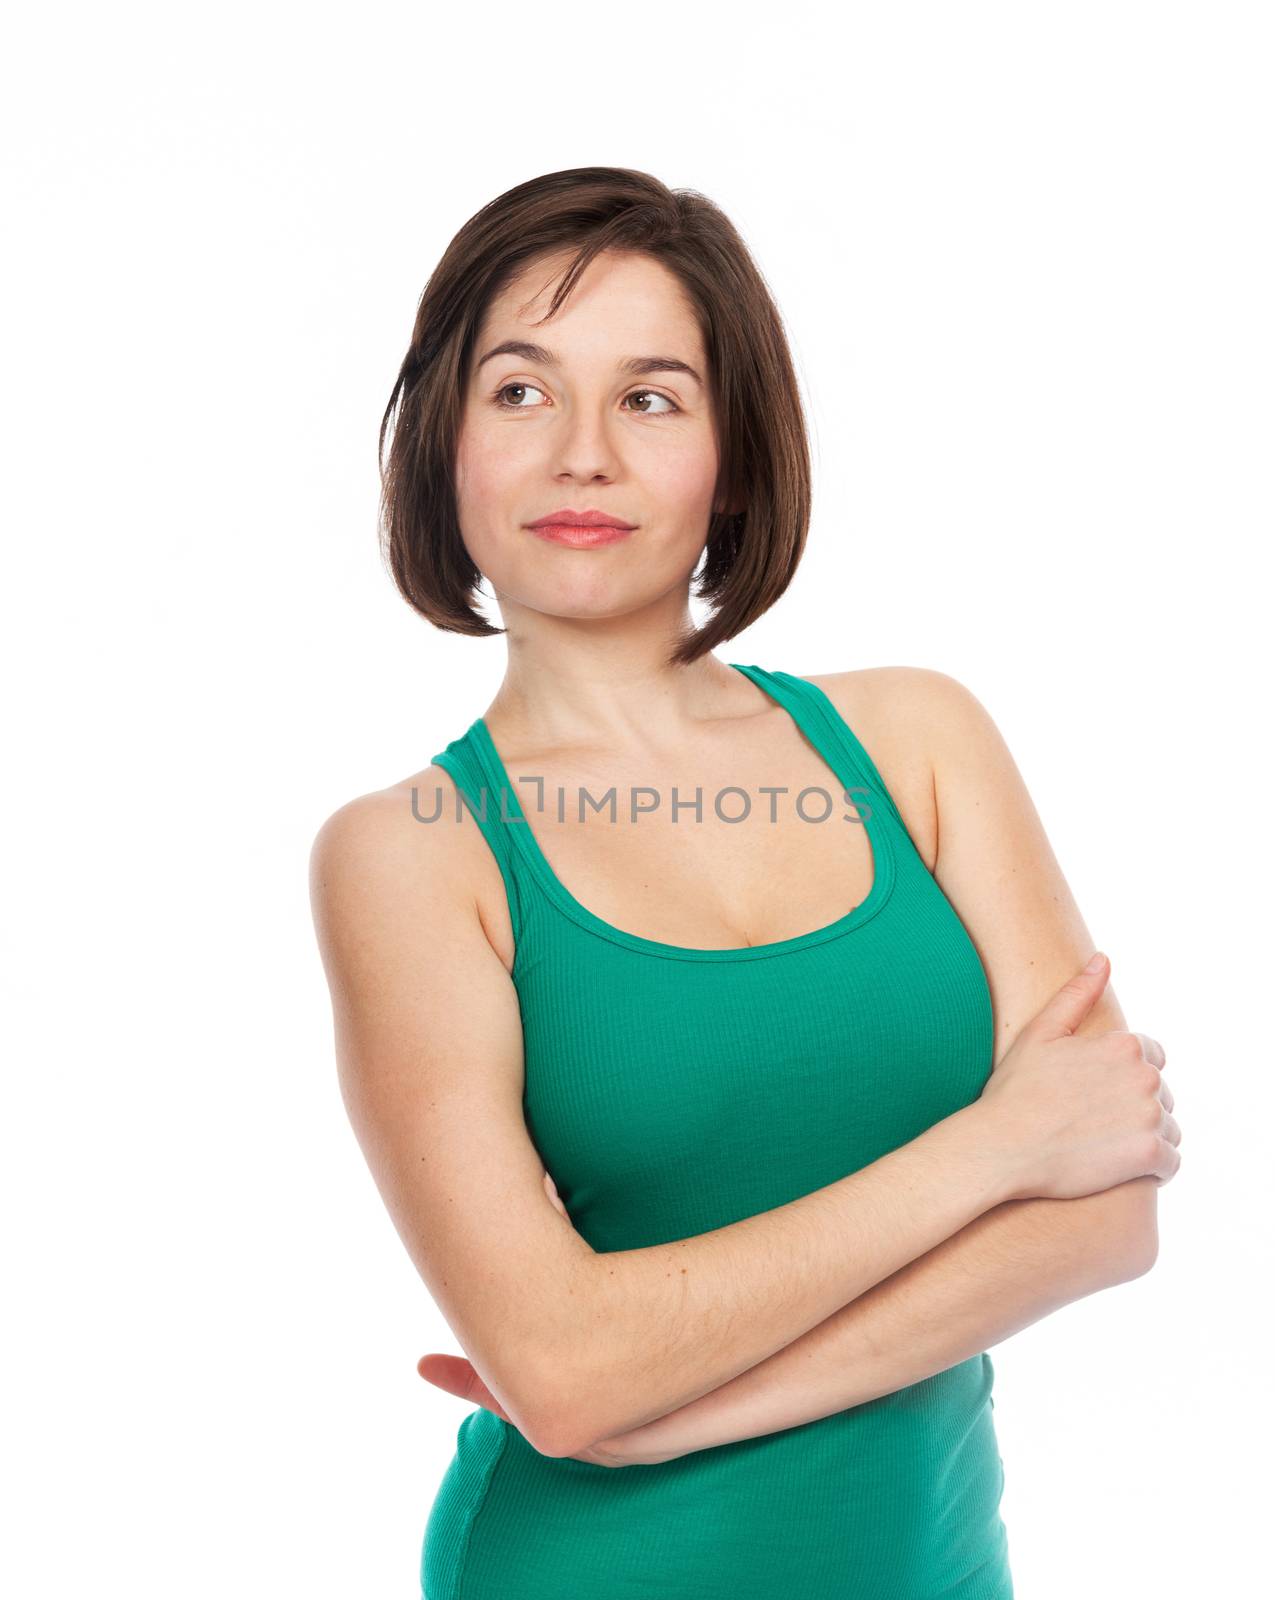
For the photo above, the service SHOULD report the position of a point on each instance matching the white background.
(1024, 254)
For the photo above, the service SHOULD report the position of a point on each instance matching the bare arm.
(998, 1275)
(675, 1321)
(1021, 1260)
(573, 1344)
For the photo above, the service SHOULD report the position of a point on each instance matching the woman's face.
(574, 426)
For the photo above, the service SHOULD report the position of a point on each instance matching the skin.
(583, 436)
(587, 696)
(1013, 1265)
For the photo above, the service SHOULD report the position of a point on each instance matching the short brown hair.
(751, 555)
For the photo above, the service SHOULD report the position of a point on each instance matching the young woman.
(726, 1143)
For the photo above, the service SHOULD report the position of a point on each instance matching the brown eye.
(667, 407)
(653, 394)
(522, 388)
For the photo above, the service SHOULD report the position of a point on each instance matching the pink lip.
(584, 536)
(583, 529)
(584, 519)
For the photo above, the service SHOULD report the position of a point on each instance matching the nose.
(584, 446)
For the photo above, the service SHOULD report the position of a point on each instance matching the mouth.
(582, 535)
(583, 529)
(564, 516)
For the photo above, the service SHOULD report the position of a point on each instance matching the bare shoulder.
(899, 714)
(387, 859)
(387, 835)
(908, 703)
(992, 858)
(409, 852)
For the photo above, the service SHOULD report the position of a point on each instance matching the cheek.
(481, 467)
(688, 478)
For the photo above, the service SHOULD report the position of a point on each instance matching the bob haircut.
(752, 549)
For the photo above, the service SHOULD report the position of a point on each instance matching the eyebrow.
(635, 366)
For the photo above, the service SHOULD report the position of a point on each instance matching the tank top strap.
(493, 807)
(818, 717)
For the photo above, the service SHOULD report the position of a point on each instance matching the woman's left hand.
(457, 1376)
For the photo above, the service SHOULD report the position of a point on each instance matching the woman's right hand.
(1076, 1115)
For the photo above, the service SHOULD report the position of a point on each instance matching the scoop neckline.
(852, 778)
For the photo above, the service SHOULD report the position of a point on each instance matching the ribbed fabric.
(671, 1091)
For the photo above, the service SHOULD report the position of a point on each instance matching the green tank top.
(671, 1091)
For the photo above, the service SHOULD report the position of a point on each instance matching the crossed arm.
(1010, 1267)
(1014, 1264)
(1022, 1260)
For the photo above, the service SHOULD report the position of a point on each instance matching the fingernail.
(1094, 964)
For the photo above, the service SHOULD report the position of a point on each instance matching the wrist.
(994, 1173)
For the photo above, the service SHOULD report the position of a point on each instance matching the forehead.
(620, 300)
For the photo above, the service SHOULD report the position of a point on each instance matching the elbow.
(1133, 1238)
(558, 1420)
(527, 1394)
(537, 1410)
(553, 1438)
(565, 1406)
(1141, 1256)
(567, 1416)
(1113, 1236)
(585, 1420)
(547, 1428)
(558, 1430)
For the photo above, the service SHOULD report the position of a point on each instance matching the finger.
(1170, 1130)
(1151, 1049)
(452, 1373)
(1073, 1002)
(1166, 1094)
(1170, 1160)
(551, 1189)
(458, 1375)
